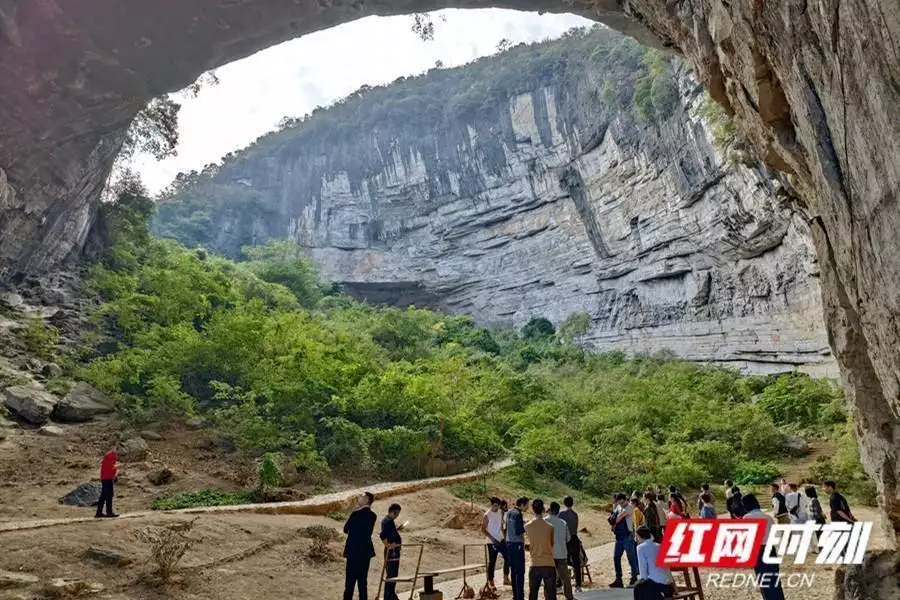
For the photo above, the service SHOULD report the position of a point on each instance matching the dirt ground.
(238, 556)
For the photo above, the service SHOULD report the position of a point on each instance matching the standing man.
(515, 547)
(492, 528)
(623, 527)
(662, 508)
(655, 582)
(109, 471)
(796, 506)
(359, 550)
(840, 510)
(543, 567)
(390, 536)
(729, 484)
(779, 505)
(561, 538)
(573, 548)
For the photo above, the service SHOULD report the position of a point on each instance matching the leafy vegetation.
(282, 367)
(202, 498)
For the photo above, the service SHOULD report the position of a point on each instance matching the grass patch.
(338, 515)
(514, 482)
(202, 498)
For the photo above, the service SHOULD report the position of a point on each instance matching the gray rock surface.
(30, 402)
(81, 404)
(52, 431)
(9, 579)
(151, 435)
(643, 226)
(86, 494)
(113, 558)
(163, 476)
(796, 445)
(133, 450)
(51, 370)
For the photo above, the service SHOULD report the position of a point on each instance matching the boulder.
(152, 436)
(133, 450)
(113, 558)
(52, 431)
(30, 402)
(163, 476)
(795, 445)
(11, 299)
(51, 370)
(81, 404)
(194, 423)
(34, 365)
(86, 494)
(10, 579)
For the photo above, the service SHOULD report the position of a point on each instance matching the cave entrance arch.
(815, 88)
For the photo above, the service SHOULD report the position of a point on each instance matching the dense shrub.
(333, 384)
(752, 472)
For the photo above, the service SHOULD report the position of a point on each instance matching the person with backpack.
(779, 506)
(734, 504)
(622, 523)
(573, 549)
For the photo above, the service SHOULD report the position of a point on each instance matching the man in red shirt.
(108, 474)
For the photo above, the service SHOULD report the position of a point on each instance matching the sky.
(295, 77)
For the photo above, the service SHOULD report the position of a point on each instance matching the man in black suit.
(359, 549)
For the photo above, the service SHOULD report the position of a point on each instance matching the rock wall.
(639, 223)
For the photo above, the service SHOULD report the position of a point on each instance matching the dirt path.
(316, 505)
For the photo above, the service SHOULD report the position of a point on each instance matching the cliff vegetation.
(281, 363)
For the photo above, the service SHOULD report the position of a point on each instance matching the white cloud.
(293, 78)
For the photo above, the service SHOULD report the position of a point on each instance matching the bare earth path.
(316, 505)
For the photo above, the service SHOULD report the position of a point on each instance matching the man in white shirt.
(655, 582)
(492, 528)
(795, 503)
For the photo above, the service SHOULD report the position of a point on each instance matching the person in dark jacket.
(515, 547)
(390, 536)
(359, 549)
(735, 503)
(108, 474)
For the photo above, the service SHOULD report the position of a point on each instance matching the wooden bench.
(413, 579)
(691, 589)
(428, 576)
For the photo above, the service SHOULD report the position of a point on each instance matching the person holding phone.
(390, 536)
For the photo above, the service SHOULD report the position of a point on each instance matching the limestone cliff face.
(551, 207)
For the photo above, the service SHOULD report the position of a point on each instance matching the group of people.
(553, 546)
(638, 523)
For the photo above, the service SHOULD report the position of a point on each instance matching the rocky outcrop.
(549, 204)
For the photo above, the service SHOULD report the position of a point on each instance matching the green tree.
(538, 328)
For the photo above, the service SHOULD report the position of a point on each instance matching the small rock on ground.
(71, 588)
(112, 558)
(86, 494)
(161, 477)
(151, 435)
(52, 430)
(10, 579)
(194, 423)
(51, 370)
